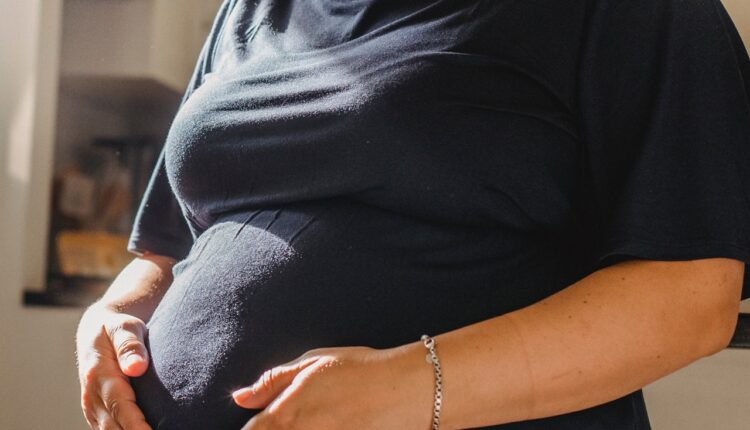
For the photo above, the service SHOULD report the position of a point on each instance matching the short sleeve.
(160, 225)
(664, 102)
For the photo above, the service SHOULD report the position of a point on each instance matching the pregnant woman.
(557, 193)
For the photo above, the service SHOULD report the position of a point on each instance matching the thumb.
(270, 384)
(127, 340)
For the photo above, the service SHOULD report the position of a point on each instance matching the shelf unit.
(120, 69)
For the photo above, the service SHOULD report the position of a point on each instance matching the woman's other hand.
(344, 388)
(110, 348)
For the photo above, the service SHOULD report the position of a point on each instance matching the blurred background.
(88, 89)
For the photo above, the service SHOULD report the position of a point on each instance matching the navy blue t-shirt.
(360, 172)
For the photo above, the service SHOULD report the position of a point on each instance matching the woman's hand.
(344, 388)
(109, 349)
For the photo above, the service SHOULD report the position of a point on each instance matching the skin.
(609, 334)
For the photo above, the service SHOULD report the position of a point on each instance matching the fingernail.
(131, 360)
(243, 393)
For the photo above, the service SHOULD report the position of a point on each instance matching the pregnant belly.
(260, 288)
(244, 299)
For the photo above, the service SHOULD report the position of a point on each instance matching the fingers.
(274, 416)
(112, 405)
(131, 417)
(118, 399)
(127, 341)
(88, 412)
(263, 420)
(106, 422)
(271, 383)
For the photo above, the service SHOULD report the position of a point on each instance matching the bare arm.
(139, 287)
(603, 337)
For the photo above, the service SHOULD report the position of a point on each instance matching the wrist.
(132, 307)
(418, 378)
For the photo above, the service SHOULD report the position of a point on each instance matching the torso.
(384, 170)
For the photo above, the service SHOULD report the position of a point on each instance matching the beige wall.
(38, 386)
(740, 11)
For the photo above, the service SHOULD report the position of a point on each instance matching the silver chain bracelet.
(432, 358)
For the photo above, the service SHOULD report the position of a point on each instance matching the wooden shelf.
(67, 291)
(58, 298)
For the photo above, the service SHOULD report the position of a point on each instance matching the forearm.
(139, 287)
(603, 337)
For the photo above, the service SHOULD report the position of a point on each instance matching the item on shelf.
(92, 253)
(121, 180)
(114, 201)
(77, 194)
(113, 198)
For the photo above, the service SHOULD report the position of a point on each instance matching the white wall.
(92, 29)
(38, 379)
(38, 382)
